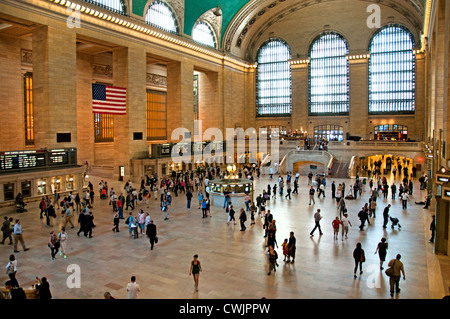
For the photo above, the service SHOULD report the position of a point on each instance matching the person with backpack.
(11, 270)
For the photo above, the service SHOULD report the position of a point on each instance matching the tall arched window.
(328, 75)
(204, 34)
(161, 16)
(273, 79)
(117, 6)
(392, 71)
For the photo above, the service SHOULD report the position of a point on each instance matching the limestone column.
(300, 101)
(85, 124)
(417, 132)
(180, 97)
(359, 111)
(209, 111)
(129, 71)
(11, 94)
(54, 79)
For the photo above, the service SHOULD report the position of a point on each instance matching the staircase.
(340, 170)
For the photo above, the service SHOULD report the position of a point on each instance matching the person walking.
(11, 270)
(53, 244)
(116, 221)
(68, 217)
(432, 228)
(291, 247)
(151, 233)
(404, 197)
(133, 289)
(18, 236)
(82, 220)
(243, 219)
(345, 223)
(311, 195)
(62, 238)
(204, 208)
(195, 270)
(317, 218)
(189, 198)
(382, 251)
(7, 231)
(336, 223)
(398, 270)
(363, 217)
(386, 215)
(273, 256)
(231, 213)
(359, 257)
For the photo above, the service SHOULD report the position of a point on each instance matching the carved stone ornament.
(158, 80)
(102, 69)
(26, 56)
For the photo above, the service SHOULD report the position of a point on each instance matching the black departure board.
(16, 160)
(11, 161)
(58, 157)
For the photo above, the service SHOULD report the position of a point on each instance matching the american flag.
(109, 99)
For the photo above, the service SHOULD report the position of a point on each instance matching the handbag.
(390, 271)
(156, 239)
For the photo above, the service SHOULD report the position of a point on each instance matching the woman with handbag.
(359, 257)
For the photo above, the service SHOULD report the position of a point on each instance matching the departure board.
(58, 157)
(22, 160)
(11, 161)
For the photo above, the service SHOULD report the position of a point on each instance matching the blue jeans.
(226, 202)
(189, 204)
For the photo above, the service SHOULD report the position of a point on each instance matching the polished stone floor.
(234, 262)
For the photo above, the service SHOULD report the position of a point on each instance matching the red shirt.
(336, 223)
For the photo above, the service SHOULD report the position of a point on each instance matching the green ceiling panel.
(195, 8)
(138, 7)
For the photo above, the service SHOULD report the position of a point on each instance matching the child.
(285, 248)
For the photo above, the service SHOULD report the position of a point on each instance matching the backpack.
(10, 269)
(127, 221)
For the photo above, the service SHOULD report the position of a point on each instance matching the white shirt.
(344, 221)
(133, 290)
(13, 263)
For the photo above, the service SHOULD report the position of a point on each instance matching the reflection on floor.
(234, 262)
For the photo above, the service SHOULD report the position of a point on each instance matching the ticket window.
(26, 188)
(56, 185)
(8, 191)
(69, 183)
(42, 187)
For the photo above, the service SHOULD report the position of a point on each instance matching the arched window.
(392, 71)
(273, 79)
(117, 6)
(161, 16)
(328, 75)
(204, 34)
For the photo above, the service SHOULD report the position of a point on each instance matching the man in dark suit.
(151, 233)
(386, 215)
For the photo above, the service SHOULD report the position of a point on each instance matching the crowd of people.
(186, 184)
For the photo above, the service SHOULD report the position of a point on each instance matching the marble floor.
(233, 261)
